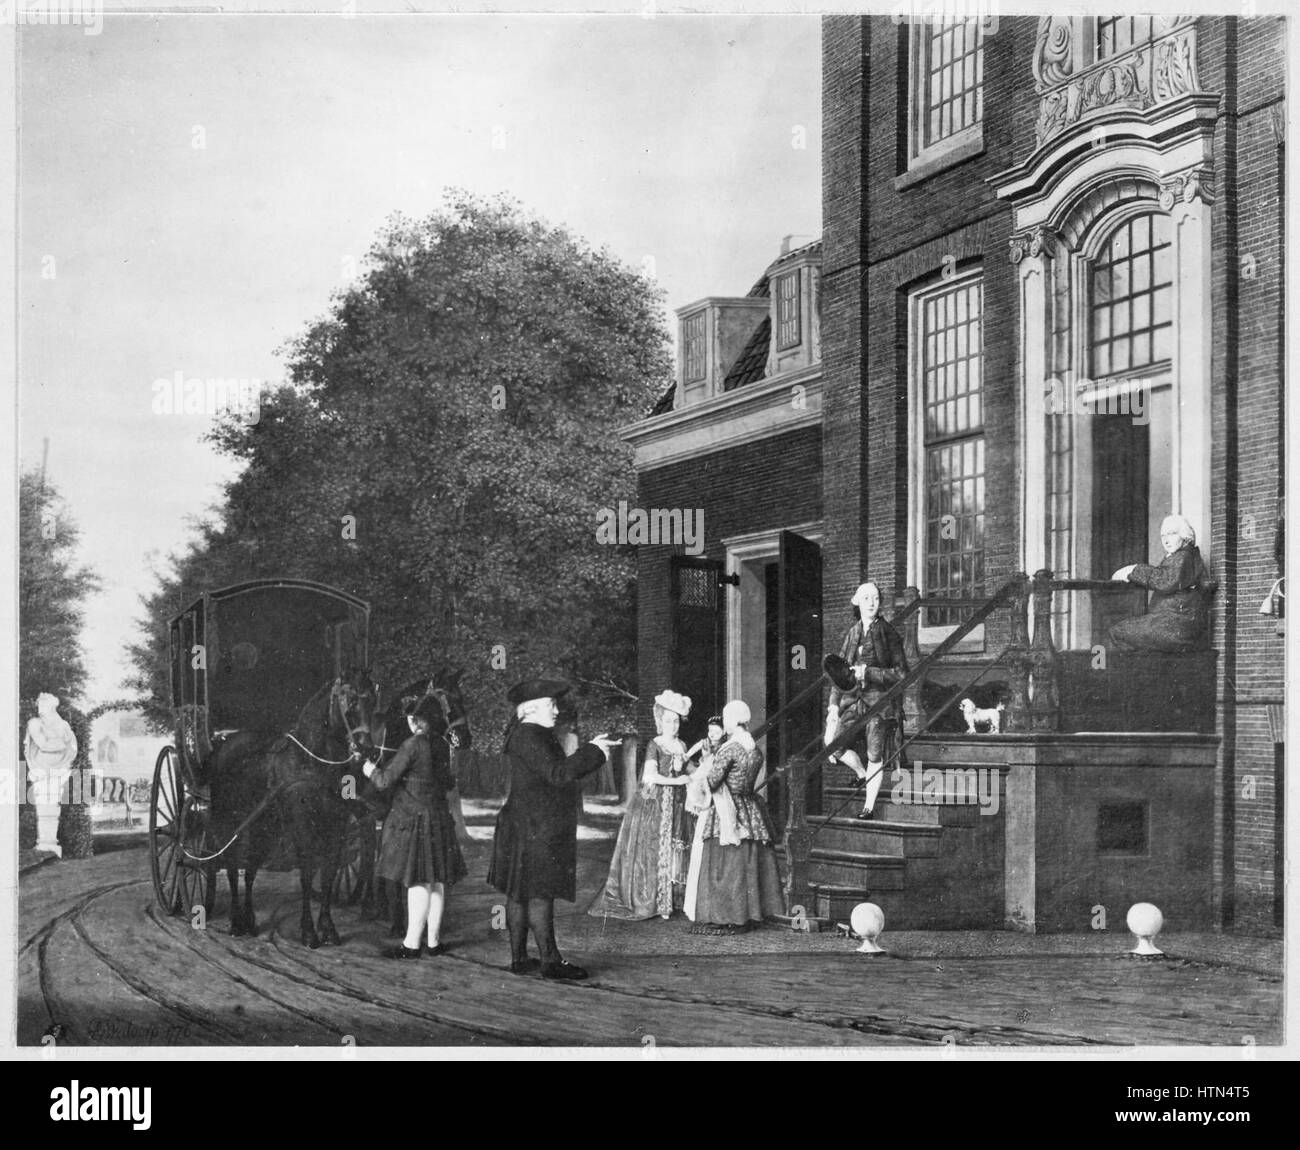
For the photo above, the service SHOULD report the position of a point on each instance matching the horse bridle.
(449, 734)
(340, 695)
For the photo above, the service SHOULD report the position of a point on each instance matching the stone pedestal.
(45, 792)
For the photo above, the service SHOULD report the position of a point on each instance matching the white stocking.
(437, 900)
(875, 775)
(417, 912)
(850, 759)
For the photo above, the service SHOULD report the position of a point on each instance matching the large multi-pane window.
(1132, 298)
(949, 359)
(948, 88)
(1116, 34)
(693, 347)
(787, 311)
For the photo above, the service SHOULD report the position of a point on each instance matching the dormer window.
(693, 348)
(729, 342)
(788, 327)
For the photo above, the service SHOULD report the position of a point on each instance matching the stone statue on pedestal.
(50, 749)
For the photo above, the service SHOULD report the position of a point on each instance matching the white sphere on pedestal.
(867, 921)
(1145, 921)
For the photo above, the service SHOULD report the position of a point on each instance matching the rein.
(336, 701)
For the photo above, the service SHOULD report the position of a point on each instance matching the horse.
(389, 731)
(298, 779)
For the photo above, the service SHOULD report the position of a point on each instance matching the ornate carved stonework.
(1073, 85)
(1194, 184)
(1054, 52)
(1039, 241)
(1174, 72)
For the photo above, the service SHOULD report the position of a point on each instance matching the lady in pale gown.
(647, 875)
(736, 884)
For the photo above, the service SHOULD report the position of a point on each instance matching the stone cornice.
(1159, 129)
(750, 413)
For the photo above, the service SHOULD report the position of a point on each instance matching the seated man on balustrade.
(1177, 619)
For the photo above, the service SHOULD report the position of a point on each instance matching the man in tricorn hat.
(535, 850)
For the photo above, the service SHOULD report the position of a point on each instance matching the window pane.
(1134, 275)
(948, 94)
(952, 325)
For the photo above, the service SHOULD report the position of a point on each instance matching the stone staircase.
(928, 867)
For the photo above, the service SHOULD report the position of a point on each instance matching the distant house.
(1045, 312)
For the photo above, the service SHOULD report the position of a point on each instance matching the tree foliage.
(52, 590)
(457, 411)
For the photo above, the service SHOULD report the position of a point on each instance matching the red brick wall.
(1247, 460)
(762, 486)
(879, 240)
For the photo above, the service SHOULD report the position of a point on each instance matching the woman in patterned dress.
(647, 875)
(738, 883)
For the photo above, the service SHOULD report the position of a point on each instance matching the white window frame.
(927, 636)
(922, 159)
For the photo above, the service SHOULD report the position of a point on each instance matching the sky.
(193, 188)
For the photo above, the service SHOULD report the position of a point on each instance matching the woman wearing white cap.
(647, 875)
(737, 883)
(873, 650)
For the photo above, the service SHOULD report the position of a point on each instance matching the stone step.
(834, 902)
(876, 836)
(846, 801)
(857, 868)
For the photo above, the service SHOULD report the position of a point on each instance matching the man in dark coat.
(873, 652)
(535, 849)
(1178, 617)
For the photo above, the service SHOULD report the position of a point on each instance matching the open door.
(799, 658)
(696, 639)
(1120, 514)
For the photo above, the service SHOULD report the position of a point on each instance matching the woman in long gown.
(738, 883)
(647, 875)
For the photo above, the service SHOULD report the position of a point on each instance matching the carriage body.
(247, 657)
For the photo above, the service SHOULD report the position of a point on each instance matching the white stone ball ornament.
(867, 921)
(1145, 921)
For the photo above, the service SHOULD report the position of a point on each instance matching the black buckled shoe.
(403, 951)
(434, 951)
(563, 970)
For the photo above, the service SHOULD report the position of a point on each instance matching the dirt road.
(100, 965)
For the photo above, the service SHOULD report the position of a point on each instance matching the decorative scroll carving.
(1054, 52)
(1175, 68)
(1039, 241)
(1142, 77)
(1195, 184)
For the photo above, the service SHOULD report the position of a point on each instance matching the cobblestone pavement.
(99, 964)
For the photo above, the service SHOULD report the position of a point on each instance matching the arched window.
(1131, 305)
(1129, 349)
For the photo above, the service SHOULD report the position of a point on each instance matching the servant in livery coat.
(535, 849)
(1178, 617)
(873, 650)
(419, 848)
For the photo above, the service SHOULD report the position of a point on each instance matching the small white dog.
(992, 716)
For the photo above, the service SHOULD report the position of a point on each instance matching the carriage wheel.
(174, 829)
(348, 877)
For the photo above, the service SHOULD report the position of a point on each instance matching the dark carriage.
(244, 658)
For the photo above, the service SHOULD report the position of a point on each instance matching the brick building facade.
(1048, 311)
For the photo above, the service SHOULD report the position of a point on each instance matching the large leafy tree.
(52, 590)
(447, 437)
